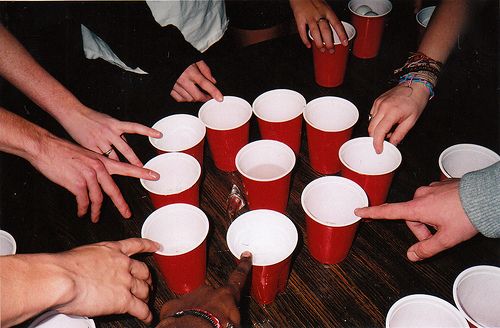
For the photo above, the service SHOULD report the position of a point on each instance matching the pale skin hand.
(195, 84)
(308, 13)
(100, 132)
(400, 106)
(93, 280)
(438, 206)
(221, 302)
(81, 171)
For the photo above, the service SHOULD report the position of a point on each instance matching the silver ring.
(320, 19)
(106, 154)
(229, 325)
(370, 117)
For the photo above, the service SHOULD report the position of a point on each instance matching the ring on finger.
(370, 116)
(321, 19)
(107, 153)
(229, 325)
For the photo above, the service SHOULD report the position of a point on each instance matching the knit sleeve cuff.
(480, 197)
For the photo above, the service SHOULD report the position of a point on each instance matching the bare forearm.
(448, 20)
(19, 68)
(30, 285)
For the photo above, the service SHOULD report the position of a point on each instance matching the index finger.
(129, 170)
(133, 246)
(397, 211)
(238, 277)
(211, 89)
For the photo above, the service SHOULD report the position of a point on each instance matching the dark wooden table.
(357, 292)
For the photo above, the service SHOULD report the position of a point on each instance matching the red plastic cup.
(329, 68)
(228, 126)
(179, 180)
(476, 292)
(266, 166)
(331, 225)
(368, 17)
(457, 160)
(329, 123)
(181, 230)
(372, 171)
(423, 311)
(181, 133)
(279, 114)
(271, 238)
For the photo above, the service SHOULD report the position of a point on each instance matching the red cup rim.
(349, 29)
(228, 99)
(369, 140)
(361, 2)
(251, 219)
(333, 180)
(278, 93)
(183, 156)
(273, 143)
(162, 212)
(196, 120)
(310, 107)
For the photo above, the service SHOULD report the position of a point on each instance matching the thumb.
(428, 248)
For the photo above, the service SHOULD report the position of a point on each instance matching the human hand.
(438, 206)
(84, 173)
(401, 106)
(103, 279)
(197, 76)
(102, 133)
(318, 16)
(221, 302)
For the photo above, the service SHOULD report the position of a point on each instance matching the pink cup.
(368, 17)
(329, 123)
(331, 225)
(372, 171)
(181, 133)
(329, 68)
(228, 126)
(476, 292)
(266, 166)
(457, 160)
(179, 179)
(271, 238)
(423, 311)
(279, 114)
(181, 229)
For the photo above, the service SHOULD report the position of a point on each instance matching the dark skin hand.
(222, 302)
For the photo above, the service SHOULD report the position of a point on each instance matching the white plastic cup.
(271, 237)
(8, 244)
(279, 115)
(476, 292)
(54, 319)
(181, 230)
(457, 160)
(424, 311)
(424, 16)
(179, 179)
(181, 133)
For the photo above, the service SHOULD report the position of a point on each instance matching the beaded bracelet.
(410, 78)
(209, 317)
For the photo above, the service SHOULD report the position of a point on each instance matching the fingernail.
(154, 175)
(159, 134)
(412, 256)
(246, 254)
(331, 51)
(322, 49)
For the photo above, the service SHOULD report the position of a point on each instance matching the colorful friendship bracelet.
(409, 78)
(209, 317)
(420, 66)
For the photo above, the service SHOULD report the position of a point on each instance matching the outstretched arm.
(91, 280)
(402, 105)
(93, 130)
(81, 171)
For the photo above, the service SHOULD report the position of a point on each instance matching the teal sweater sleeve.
(480, 197)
